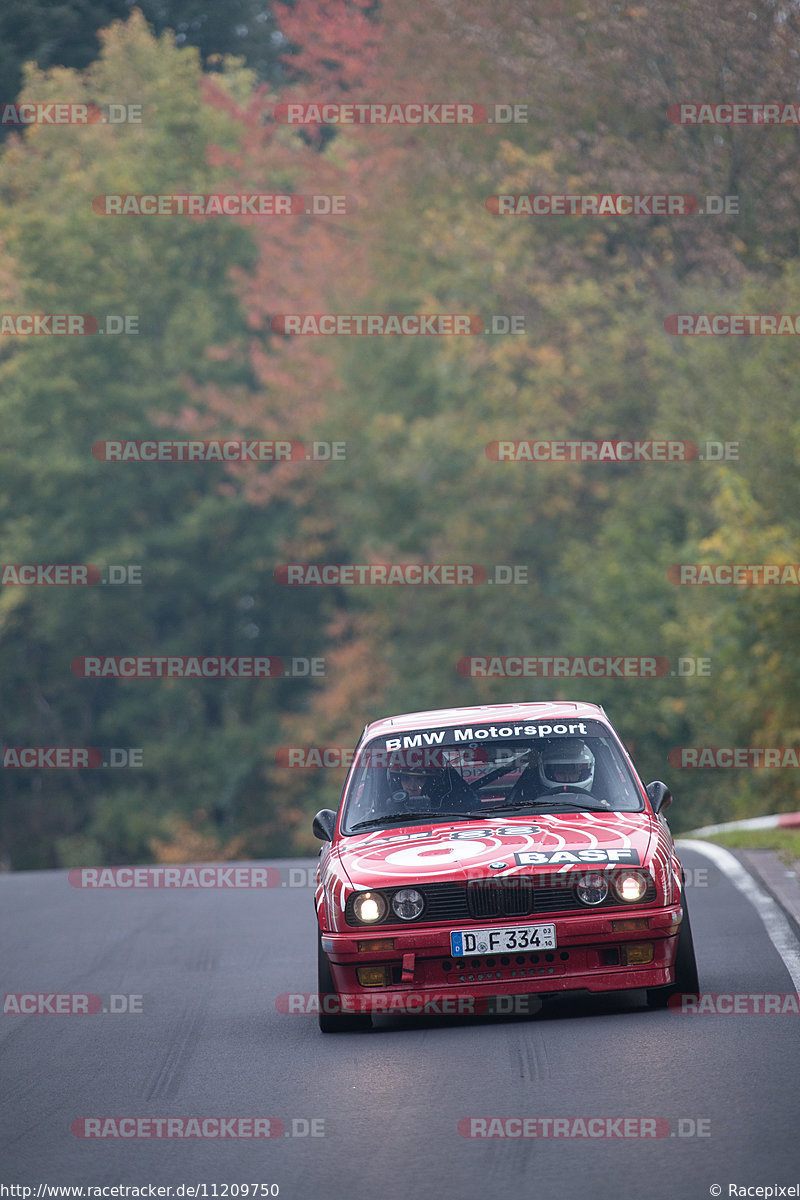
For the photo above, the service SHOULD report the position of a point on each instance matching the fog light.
(637, 953)
(373, 976)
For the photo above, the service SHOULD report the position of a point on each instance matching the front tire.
(685, 981)
(334, 1022)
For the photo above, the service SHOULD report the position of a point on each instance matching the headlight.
(630, 886)
(407, 904)
(369, 907)
(592, 888)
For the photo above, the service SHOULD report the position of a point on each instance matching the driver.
(567, 766)
(426, 786)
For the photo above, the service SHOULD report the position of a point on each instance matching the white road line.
(778, 928)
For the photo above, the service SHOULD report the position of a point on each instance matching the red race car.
(502, 851)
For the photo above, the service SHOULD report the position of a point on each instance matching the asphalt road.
(385, 1105)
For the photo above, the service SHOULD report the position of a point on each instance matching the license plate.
(502, 941)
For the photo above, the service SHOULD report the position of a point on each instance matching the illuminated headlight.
(630, 886)
(407, 904)
(592, 888)
(369, 907)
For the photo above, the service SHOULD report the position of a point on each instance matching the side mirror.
(324, 824)
(659, 794)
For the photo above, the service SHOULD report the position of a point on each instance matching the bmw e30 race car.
(499, 851)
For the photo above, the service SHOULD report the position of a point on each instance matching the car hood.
(493, 848)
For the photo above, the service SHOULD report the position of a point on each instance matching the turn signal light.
(375, 944)
(630, 923)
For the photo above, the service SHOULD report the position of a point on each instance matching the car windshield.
(476, 771)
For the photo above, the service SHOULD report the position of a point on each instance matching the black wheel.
(334, 1022)
(685, 981)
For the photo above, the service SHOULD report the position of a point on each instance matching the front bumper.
(589, 956)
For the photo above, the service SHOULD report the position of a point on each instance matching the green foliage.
(206, 556)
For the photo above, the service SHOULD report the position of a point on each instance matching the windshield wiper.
(542, 802)
(389, 817)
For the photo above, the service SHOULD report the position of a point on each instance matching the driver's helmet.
(419, 781)
(568, 763)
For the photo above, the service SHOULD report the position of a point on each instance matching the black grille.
(520, 897)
